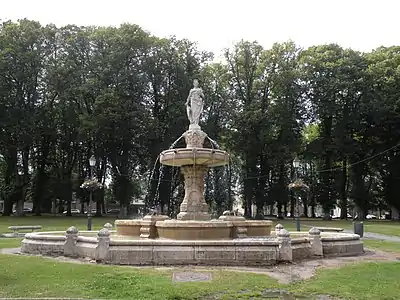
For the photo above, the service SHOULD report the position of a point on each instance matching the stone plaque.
(191, 276)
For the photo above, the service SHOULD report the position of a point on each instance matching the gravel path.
(371, 235)
(378, 236)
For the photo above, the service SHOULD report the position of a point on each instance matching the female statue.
(195, 103)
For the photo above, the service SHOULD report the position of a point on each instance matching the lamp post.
(92, 163)
(296, 164)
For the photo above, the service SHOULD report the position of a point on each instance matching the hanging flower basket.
(91, 185)
(298, 185)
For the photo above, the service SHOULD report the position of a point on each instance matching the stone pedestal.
(315, 241)
(194, 206)
(103, 244)
(194, 137)
(285, 253)
(70, 241)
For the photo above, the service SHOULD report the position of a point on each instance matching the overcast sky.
(217, 24)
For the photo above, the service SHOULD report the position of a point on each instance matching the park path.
(378, 236)
(371, 235)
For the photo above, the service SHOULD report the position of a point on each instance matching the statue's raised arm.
(195, 103)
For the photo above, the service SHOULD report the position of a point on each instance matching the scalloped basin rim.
(194, 156)
(192, 224)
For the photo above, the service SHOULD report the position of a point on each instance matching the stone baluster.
(278, 228)
(70, 242)
(145, 230)
(285, 246)
(314, 236)
(103, 244)
(241, 229)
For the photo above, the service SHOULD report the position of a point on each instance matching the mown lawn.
(39, 277)
(62, 223)
(49, 223)
(23, 276)
(390, 228)
(382, 245)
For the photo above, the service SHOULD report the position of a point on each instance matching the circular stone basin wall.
(110, 248)
(194, 156)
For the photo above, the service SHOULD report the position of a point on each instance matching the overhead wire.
(340, 168)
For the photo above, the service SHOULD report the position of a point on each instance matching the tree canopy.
(67, 93)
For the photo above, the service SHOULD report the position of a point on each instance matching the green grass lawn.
(62, 223)
(22, 276)
(382, 245)
(356, 281)
(10, 242)
(40, 277)
(49, 223)
(376, 226)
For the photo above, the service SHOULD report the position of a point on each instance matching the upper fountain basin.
(194, 156)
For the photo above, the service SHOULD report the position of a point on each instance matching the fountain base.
(195, 216)
(194, 230)
(226, 227)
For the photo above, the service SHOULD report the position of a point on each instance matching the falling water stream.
(213, 143)
(175, 172)
(176, 142)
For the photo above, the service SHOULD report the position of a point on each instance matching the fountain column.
(194, 206)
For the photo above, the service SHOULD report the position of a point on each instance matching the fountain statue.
(194, 104)
(194, 160)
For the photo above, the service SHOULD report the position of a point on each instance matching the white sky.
(216, 24)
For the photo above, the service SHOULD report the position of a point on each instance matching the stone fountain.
(194, 220)
(193, 238)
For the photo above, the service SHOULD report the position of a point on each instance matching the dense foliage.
(119, 93)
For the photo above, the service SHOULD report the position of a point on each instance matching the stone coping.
(128, 222)
(87, 239)
(255, 223)
(298, 237)
(329, 229)
(300, 240)
(342, 237)
(177, 243)
(49, 236)
(193, 224)
(325, 235)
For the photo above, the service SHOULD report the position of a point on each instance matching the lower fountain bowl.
(194, 156)
(194, 230)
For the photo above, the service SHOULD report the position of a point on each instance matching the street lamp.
(92, 163)
(296, 164)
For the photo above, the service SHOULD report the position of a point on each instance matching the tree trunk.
(41, 180)
(10, 180)
(248, 193)
(68, 193)
(394, 213)
(343, 191)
